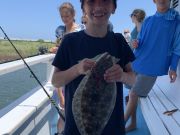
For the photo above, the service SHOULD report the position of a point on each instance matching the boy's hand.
(135, 43)
(172, 76)
(114, 74)
(85, 65)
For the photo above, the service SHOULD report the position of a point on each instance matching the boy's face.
(162, 5)
(98, 11)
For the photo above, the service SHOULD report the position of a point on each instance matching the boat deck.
(162, 107)
(142, 128)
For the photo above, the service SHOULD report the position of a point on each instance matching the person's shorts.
(143, 84)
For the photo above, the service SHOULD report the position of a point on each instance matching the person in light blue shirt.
(137, 17)
(157, 53)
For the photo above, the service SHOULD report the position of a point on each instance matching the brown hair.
(139, 14)
(67, 5)
(114, 2)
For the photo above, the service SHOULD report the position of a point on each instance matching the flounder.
(94, 99)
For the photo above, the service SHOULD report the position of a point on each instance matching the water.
(15, 84)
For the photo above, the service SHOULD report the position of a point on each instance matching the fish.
(94, 99)
(171, 112)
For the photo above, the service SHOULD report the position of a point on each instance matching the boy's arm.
(116, 74)
(61, 78)
(61, 97)
(128, 76)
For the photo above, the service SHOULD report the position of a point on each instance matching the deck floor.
(142, 128)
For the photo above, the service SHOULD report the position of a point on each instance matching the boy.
(86, 44)
(157, 53)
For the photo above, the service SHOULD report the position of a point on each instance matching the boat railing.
(30, 114)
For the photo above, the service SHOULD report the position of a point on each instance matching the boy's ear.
(113, 11)
(84, 12)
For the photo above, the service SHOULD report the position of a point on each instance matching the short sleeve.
(126, 53)
(61, 58)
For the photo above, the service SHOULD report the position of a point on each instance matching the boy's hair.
(114, 2)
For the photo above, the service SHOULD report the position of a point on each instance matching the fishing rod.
(51, 100)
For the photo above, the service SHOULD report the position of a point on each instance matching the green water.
(15, 84)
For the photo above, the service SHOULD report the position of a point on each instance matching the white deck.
(163, 97)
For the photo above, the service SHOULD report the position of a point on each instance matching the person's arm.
(175, 55)
(61, 78)
(116, 74)
(55, 48)
(173, 67)
(128, 76)
(58, 41)
(61, 97)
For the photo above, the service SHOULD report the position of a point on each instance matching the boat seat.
(161, 109)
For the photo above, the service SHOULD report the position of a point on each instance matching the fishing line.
(51, 100)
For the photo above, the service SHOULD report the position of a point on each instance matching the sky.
(38, 19)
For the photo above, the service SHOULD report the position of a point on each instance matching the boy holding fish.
(74, 60)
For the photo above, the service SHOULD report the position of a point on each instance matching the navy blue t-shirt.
(77, 46)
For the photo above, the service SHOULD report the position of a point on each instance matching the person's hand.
(53, 49)
(85, 65)
(135, 43)
(114, 74)
(172, 76)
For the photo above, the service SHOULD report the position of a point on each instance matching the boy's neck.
(96, 31)
(163, 10)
